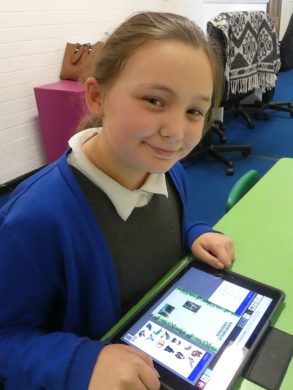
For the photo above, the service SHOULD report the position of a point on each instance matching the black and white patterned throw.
(251, 49)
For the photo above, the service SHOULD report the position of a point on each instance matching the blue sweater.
(51, 245)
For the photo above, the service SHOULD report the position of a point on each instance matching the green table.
(261, 225)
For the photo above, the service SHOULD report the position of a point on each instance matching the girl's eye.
(154, 101)
(195, 112)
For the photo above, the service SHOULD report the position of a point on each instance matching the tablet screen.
(201, 328)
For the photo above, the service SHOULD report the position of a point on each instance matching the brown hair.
(143, 28)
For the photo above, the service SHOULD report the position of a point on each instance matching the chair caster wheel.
(230, 171)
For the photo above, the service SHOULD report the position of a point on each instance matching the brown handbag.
(79, 60)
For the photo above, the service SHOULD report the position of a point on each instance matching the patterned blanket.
(251, 49)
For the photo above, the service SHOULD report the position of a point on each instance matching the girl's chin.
(161, 168)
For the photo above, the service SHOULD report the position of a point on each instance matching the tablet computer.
(200, 325)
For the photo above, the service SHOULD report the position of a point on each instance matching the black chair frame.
(207, 147)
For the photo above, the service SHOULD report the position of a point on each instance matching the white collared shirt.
(123, 199)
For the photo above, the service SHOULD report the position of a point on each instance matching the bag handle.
(79, 51)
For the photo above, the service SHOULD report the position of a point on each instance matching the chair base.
(237, 110)
(240, 111)
(205, 147)
(258, 108)
(219, 129)
(216, 151)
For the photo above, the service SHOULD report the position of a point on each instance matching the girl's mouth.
(163, 153)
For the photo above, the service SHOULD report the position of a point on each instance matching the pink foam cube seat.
(61, 106)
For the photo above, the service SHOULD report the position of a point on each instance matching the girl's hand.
(215, 249)
(122, 367)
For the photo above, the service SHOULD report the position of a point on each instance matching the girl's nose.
(173, 128)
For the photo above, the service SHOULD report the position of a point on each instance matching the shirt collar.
(123, 199)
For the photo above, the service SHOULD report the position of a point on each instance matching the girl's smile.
(163, 153)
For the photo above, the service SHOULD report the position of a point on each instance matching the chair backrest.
(241, 187)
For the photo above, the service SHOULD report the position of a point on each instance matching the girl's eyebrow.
(164, 88)
(159, 87)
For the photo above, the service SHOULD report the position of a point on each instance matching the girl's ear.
(94, 95)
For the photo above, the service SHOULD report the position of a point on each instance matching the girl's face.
(153, 113)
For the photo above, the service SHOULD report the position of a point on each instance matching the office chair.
(250, 55)
(241, 187)
(284, 55)
(220, 30)
(230, 102)
(256, 32)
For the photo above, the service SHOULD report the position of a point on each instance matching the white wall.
(33, 34)
(214, 7)
(286, 12)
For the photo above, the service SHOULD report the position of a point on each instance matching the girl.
(83, 239)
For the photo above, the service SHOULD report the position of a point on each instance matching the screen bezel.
(277, 296)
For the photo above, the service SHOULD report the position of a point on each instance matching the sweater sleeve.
(30, 358)
(192, 229)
